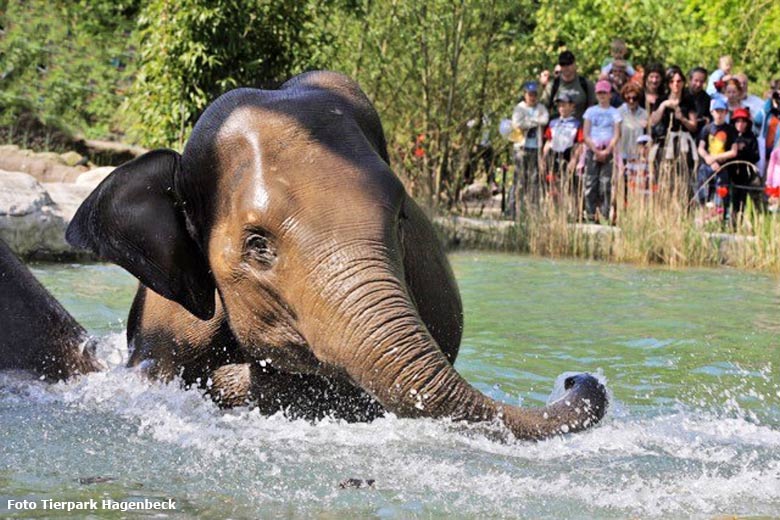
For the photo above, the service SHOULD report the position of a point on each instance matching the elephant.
(281, 261)
(38, 334)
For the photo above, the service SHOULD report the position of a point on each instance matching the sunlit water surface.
(693, 430)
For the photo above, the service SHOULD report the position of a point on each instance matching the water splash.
(157, 438)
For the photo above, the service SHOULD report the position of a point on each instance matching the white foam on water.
(645, 462)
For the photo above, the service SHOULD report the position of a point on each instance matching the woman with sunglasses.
(633, 124)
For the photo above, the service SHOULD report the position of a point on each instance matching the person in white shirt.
(601, 134)
(528, 121)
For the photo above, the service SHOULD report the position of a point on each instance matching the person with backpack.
(572, 84)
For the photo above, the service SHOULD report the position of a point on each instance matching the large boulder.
(33, 218)
(45, 166)
(94, 177)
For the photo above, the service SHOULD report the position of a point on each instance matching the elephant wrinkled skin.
(282, 261)
(36, 332)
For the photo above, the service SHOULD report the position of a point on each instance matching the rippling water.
(690, 358)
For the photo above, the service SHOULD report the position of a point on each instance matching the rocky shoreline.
(39, 194)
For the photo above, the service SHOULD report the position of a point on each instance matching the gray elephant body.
(36, 332)
(282, 261)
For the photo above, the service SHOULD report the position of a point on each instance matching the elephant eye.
(258, 247)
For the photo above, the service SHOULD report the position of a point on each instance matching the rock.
(72, 158)
(68, 196)
(51, 157)
(9, 148)
(32, 222)
(46, 167)
(21, 195)
(94, 177)
(454, 232)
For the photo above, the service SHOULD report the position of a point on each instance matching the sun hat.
(741, 113)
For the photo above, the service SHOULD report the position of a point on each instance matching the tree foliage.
(690, 33)
(191, 51)
(65, 61)
(430, 67)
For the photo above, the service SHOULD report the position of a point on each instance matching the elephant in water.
(36, 332)
(282, 262)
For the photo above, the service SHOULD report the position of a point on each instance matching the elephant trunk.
(390, 353)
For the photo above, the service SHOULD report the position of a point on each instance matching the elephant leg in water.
(283, 214)
(36, 332)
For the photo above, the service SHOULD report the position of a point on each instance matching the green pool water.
(690, 358)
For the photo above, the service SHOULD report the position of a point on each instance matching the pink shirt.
(773, 170)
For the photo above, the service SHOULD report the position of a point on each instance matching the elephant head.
(284, 207)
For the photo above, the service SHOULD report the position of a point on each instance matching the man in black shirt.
(697, 79)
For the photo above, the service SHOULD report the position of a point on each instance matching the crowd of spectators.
(631, 120)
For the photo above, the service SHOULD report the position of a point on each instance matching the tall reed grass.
(656, 221)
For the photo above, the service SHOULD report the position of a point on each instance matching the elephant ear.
(133, 218)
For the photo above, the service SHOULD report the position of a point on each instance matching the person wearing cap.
(717, 145)
(563, 138)
(579, 88)
(528, 119)
(601, 134)
(744, 178)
